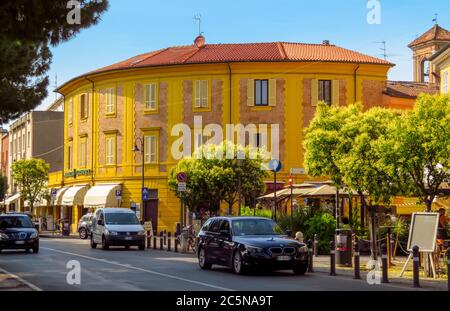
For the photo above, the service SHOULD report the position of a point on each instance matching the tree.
(31, 177)
(27, 28)
(3, 187)
(417, 149)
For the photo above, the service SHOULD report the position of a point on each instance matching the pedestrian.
(442, 227)
(299, 237)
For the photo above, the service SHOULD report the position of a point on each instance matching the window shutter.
(272, 92)
(335, 93)
(250, 92)
(204, 91)
(314, 92)
(153, 97)
(153, 149)
(198, 101)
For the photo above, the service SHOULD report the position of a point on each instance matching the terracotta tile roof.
(436, 33)
(245, 52)
(408, 89)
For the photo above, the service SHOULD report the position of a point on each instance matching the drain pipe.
(64, 105)
(230, 91)
(92, 128)
(355, 72)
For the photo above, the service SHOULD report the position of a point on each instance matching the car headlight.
(254, 250)
(112, 232)
(141, 233)
(34, 235)
(3, 236)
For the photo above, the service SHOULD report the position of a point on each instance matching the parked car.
(116, 227)
(84, 226)
(17, 231)
(249, 242)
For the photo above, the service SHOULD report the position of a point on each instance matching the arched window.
(425, 70)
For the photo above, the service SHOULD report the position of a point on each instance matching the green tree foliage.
(213, 178)
(27, 28)
(31, 177)
(3, 186)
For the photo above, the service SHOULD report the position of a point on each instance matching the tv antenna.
(383, 48)
(56, 85)
(198, 19)
(435, 19)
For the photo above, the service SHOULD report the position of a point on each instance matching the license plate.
(128, 238)
(284, 258)
(20, 242)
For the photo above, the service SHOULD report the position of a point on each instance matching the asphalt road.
(129, 270)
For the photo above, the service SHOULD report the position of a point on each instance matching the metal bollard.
(332, 259)
(357, 275)
(169, 242)
(416, 264)
(310, 255)
(316, 245)
(148, 239)
(154, 242)
(161, 241)
(175, 243)
(448, 269)
(165, 237)
(384, 263)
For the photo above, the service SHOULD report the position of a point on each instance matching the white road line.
(30, 285)
(141, 269)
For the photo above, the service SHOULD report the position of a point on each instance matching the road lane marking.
(141, 269)
(18, 278)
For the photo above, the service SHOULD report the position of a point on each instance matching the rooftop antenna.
(435, 19)
(198, 19)
(383, 49)
(56, 85)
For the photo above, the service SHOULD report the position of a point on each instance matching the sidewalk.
(10, 282)
(322, 265)
(57, 235)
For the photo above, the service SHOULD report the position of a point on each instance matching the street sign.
(182, 177)
(54, 192)
(145, 194)
(275, 165)
(182, 187)
(297, 171)
(119, 194)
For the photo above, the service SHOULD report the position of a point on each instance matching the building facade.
(109, 111)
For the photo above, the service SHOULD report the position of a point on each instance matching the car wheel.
(238, 263)
(93, 244)
(27, 250)
(36, 249)
(141, 247)
(300, 269)
(83, 233)
(202, 261)
(105, 245)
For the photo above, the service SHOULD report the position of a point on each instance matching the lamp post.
(240, 157)
(142, 150)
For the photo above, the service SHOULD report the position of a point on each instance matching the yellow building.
(441, 61)
(109, 110)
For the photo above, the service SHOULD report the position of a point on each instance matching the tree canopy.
(27, 29)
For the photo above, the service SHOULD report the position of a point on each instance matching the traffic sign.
(119, 194)
(182, 177)
(182, 187)
(54, 191)
(145, 194)
(298, 171)
(275, 165)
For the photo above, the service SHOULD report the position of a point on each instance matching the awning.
(39, 203)
(74, 195)
(102, 196)
(12, 198)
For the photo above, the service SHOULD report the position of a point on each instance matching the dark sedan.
(249, 242)
(18, 232)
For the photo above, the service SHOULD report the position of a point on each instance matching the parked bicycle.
(190, 235)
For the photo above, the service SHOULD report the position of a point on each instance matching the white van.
(117, 227)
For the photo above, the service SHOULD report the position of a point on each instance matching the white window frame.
(83, 153)
(201, 94)
(151, 149)
(445, 82)
(70, 111)
(151, 96)
(110, 100)
(110, 152)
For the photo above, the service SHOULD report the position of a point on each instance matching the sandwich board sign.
(422, 233)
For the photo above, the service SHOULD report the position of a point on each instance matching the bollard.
(175, 243)
(161, 241)
(357, 275)
(148, 239)
(169, 242)
(154, 242)
(165, 237)
(416, 266)
(316, 245)
(310, 255)
(332, 259)
(384, 263)
(448, 269)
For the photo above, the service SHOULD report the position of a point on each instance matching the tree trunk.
(373, 233)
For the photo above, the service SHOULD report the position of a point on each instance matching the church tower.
(423, 48)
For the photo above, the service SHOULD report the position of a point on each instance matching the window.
(215, 225)
(70, 111)
(261, 92)
(24, 142)
(110, 150)
(110, 101)
(82, 153)
(150, 96)
(325, 91)
(445, 82)
(69, 157)
(258, 140)
(150, 155)
(84, 106)
(29, 139)
(201, 94)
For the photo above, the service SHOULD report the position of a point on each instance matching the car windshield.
(15, 222)
(121, 219)
(256, 227)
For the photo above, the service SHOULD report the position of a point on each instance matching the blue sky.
(131, 27)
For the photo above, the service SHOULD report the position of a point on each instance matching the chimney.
(200, 42)
(326, 42)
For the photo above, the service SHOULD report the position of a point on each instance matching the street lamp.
(240, 157)
(142, 150)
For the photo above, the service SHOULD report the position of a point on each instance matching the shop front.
(72, 205)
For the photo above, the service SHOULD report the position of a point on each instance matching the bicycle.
(191, 237)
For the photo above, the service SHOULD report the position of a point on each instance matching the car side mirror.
(224, 233)
(100, 222)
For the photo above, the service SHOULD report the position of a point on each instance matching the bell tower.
(425, 46)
